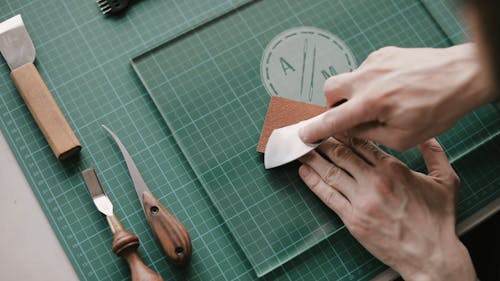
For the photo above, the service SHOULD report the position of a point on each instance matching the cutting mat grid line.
(84, 58)
(443, 12)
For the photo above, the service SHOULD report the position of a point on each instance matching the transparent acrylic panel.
(207, 85)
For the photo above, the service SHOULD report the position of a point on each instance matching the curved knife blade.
(139, 183)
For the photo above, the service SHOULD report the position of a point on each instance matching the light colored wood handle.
(45, 111)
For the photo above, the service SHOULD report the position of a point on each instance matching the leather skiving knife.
(284, 144)
(19, 52)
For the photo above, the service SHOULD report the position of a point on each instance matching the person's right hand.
(402, 97)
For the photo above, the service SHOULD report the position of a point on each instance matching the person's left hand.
(404, 218)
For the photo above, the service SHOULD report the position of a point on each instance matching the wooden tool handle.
(46, 112)
(125, 245)
(172, 234)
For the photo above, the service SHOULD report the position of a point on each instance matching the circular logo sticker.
(296, 63)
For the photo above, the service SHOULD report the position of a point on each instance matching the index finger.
(336, 120)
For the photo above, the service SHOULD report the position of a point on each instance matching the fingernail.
(304, 171)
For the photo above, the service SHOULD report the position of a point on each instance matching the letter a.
(285, 65)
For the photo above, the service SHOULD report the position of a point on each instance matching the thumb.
(435, 159)
(337, 119)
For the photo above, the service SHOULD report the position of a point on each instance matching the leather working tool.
(170, 232)
(284, 144)
(283, 112)
(125, 243)
(19, 52)
(112, 6)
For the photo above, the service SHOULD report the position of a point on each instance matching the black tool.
(112, 6)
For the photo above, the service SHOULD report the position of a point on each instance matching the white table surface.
(29, 249)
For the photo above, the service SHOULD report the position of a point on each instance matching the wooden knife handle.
(45, 111)
(125, 245)
(171, 233)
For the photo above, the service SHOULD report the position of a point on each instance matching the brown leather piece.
(283, 112)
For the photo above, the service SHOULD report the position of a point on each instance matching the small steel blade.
(15, 43)
(284, 144)
(99, 197)
(139, 183)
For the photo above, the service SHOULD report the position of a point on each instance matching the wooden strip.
(45, 111)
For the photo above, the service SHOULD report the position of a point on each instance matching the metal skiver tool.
(19, 52)
(125, 243)
(284, 144)
(170, 232)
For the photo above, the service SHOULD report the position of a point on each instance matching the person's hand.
(404, 218)
(402, 97)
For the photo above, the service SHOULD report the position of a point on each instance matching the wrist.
(479, 88)
(451, 262)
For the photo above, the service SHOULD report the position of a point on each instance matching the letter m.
(330, 72)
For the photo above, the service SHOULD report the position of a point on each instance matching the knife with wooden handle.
(170, 232)
(19, 52)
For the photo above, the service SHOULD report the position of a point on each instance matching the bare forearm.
(477, 88)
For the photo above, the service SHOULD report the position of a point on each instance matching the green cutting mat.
(444, 12)
(84, 58)
(207, 86)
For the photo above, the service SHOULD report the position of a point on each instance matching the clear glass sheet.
(207, 86)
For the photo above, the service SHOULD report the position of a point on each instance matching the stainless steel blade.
(139, 183)
(15, 43)
(99, 197)
(284, 144)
